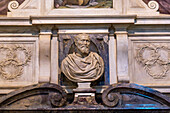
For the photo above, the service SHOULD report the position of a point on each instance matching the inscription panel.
(18, 61)
(149, 61)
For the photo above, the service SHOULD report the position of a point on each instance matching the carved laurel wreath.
(155, 59)
(11, 61)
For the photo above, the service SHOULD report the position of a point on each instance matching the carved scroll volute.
(13, 5)
(57, 99)
(153, 5)
(110, 98)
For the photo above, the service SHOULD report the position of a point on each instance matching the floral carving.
(13, 59)
(154, 57)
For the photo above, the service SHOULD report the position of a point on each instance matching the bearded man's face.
(83, 44)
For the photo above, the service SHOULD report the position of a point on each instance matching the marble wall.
(163, 9)
(132, 38)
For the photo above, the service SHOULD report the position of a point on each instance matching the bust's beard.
(84, 50)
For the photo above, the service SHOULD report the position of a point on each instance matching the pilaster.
(112, 57)
(45, 53)
(122, 52)
(54, 59)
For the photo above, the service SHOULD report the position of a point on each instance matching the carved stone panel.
(150, 61)
(99, 44)
(18, 62)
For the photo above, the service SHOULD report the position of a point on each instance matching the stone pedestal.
(84, 95)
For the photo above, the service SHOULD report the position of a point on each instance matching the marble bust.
(82, 65)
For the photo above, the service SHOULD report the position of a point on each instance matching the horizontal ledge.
(85, 19)
(153, 20)
(99, 89)
(85, 16)
(18, 35)
(150, 34)
(14, 18)
(82, 20)
(16, 85)
(95, 109)
(138, 38)
(15, 21)
(6, 91)
(153, 85)
(163, 16)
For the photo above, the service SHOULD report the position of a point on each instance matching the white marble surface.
(46, 7)
(38, 23)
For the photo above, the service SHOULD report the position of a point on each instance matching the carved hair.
(79, 36)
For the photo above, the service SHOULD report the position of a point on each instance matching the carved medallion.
(155, 58)
(13, 60)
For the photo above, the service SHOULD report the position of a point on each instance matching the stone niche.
(99, 44)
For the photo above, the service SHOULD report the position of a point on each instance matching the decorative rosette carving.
(153, 5)
(13, 60)
(13, 5)
(153, 58)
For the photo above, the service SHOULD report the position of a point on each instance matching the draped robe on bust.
(86, 69)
